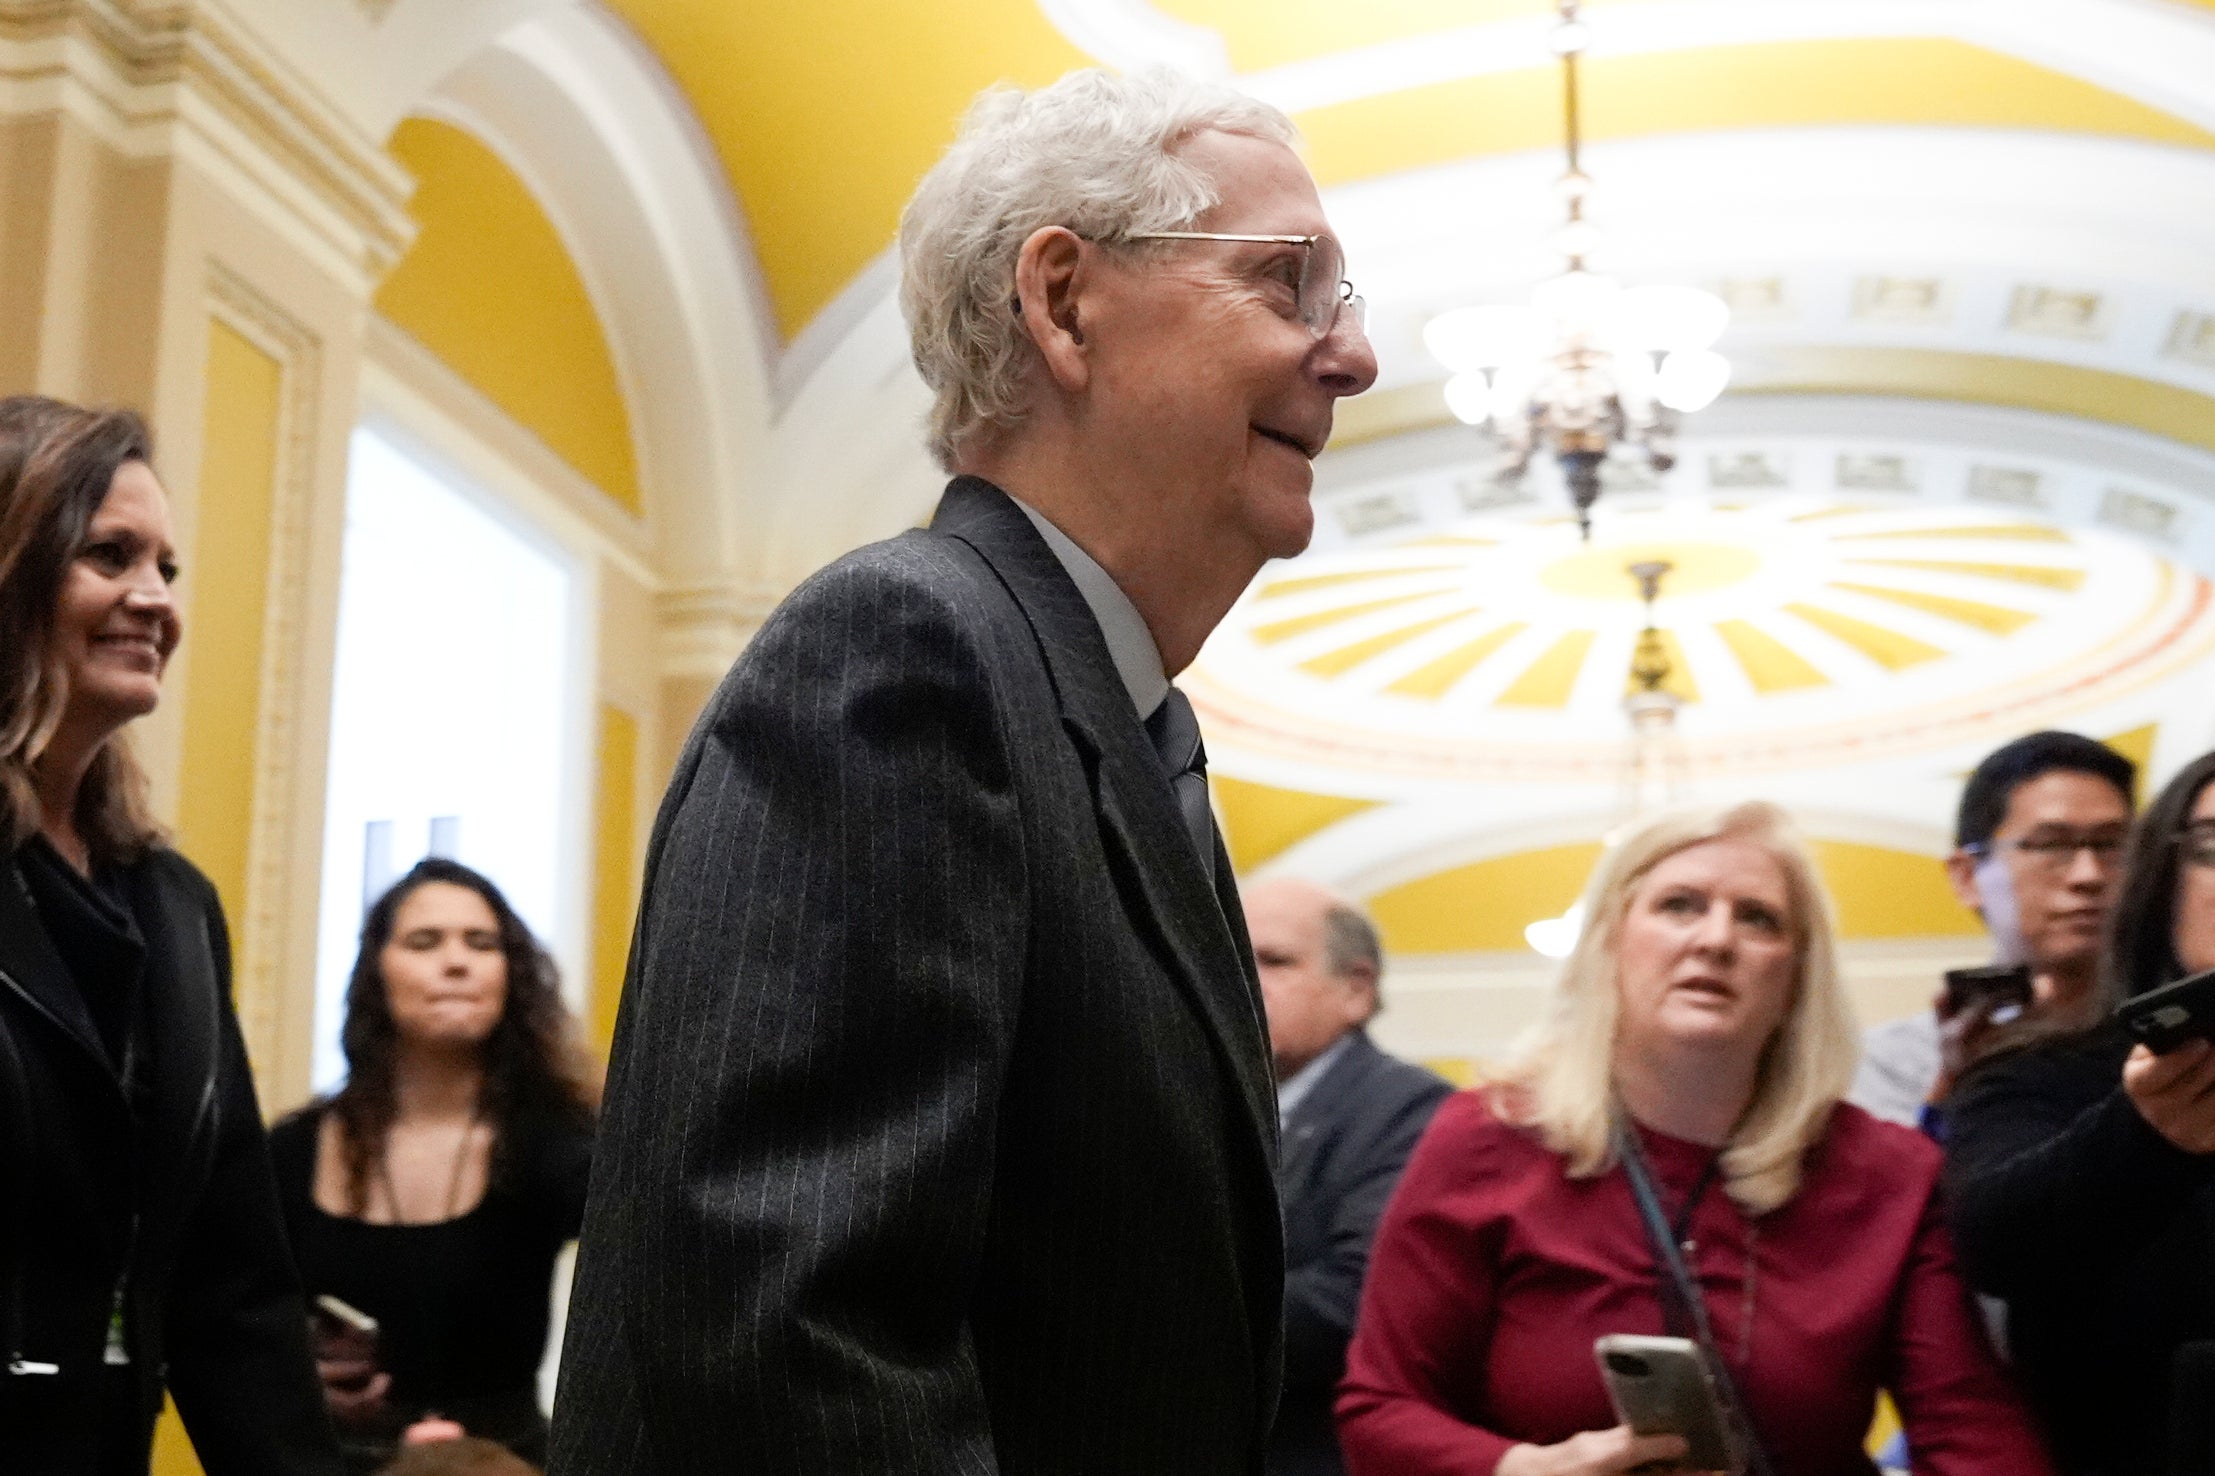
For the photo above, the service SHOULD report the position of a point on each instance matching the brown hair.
(536, 1073)
(57, 462)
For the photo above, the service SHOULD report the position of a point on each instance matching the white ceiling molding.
(586, 116)
(2157, 53)
(1809, 215)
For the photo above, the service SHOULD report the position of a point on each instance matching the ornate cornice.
(148, 68)
(705, 626)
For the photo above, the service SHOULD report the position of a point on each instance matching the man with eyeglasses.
(2037, 844)
(940, 1129)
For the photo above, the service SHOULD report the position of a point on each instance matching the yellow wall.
(491, 290)
(1485, 905)
(226, 604)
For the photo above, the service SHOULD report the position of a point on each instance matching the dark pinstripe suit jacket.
(939, 1132)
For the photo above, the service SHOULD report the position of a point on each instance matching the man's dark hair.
(2012, 765)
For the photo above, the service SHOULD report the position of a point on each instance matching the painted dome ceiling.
(1800, 631)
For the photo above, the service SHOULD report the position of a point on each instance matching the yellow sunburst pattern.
(1793, 614)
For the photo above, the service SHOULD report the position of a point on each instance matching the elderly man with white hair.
(940, 1126)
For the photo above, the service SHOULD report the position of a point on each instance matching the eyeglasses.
(2197, 842)
(2056, 850)
(1322, 292)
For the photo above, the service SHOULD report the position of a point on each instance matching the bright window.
(451, 714)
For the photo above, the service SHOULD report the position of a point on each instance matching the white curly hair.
(1096, 153)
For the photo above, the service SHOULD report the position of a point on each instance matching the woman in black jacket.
(140, 1242)
(2081, 1173)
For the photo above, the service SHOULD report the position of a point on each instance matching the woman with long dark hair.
(140, 1242)
(2081, 1173)
(432, 1192)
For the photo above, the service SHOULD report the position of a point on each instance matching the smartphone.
(1661, 1386)
(2004, 984)
(346, 1315)
(2173, 1014)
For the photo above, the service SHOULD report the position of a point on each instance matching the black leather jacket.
(169, 1197)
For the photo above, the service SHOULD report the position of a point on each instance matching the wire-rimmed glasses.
(1322, 292)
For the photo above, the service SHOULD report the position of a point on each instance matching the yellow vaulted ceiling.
(490, 289)
(824, 116)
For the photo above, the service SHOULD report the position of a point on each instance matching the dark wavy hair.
(57, 462)
(536, 1075)
(2141, 951)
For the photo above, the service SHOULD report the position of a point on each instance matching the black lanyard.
(1683, 1309)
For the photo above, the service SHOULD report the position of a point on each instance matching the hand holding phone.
(1661, 1386)
(2165, 1018)
(354, 1387)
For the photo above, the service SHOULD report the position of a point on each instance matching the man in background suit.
(1351, 1116)
(939, 1131)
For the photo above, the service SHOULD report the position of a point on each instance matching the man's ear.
(1961, 871)
(1050, 276)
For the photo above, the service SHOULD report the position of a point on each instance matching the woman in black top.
(140, 1243)
(2081, 1171)
(435, 1189)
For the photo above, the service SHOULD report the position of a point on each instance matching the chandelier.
(1589, 367)
(1653, 765)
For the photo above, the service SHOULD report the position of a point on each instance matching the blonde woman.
(1698, 1031)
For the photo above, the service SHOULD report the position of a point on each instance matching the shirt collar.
(1130, 644)
(1301, 1082)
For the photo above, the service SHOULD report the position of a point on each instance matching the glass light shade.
(1556, 937)
(1690, 379)
(1471, 339)
(1577, 238)
(1665, 318)
(1512, 388)
(1469, 396)
(1634, 377)
(1576, 301)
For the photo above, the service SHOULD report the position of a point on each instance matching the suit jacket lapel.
(1316, 1111)
(1139, 812)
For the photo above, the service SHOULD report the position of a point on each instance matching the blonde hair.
(1561, 1082)
(1096, 153)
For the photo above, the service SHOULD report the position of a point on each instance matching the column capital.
(184, 79)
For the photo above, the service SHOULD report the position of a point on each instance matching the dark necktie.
(1176, 735)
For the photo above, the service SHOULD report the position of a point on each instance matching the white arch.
(593, 125)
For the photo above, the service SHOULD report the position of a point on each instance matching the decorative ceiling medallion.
(1902, 300)
(2009, 486)
(2193, 339)
(1808, 631)
(2058, 313)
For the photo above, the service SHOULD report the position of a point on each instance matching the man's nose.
(1346, 362)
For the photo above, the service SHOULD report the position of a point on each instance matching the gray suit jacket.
(1344, 1149)
(939, 1130)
